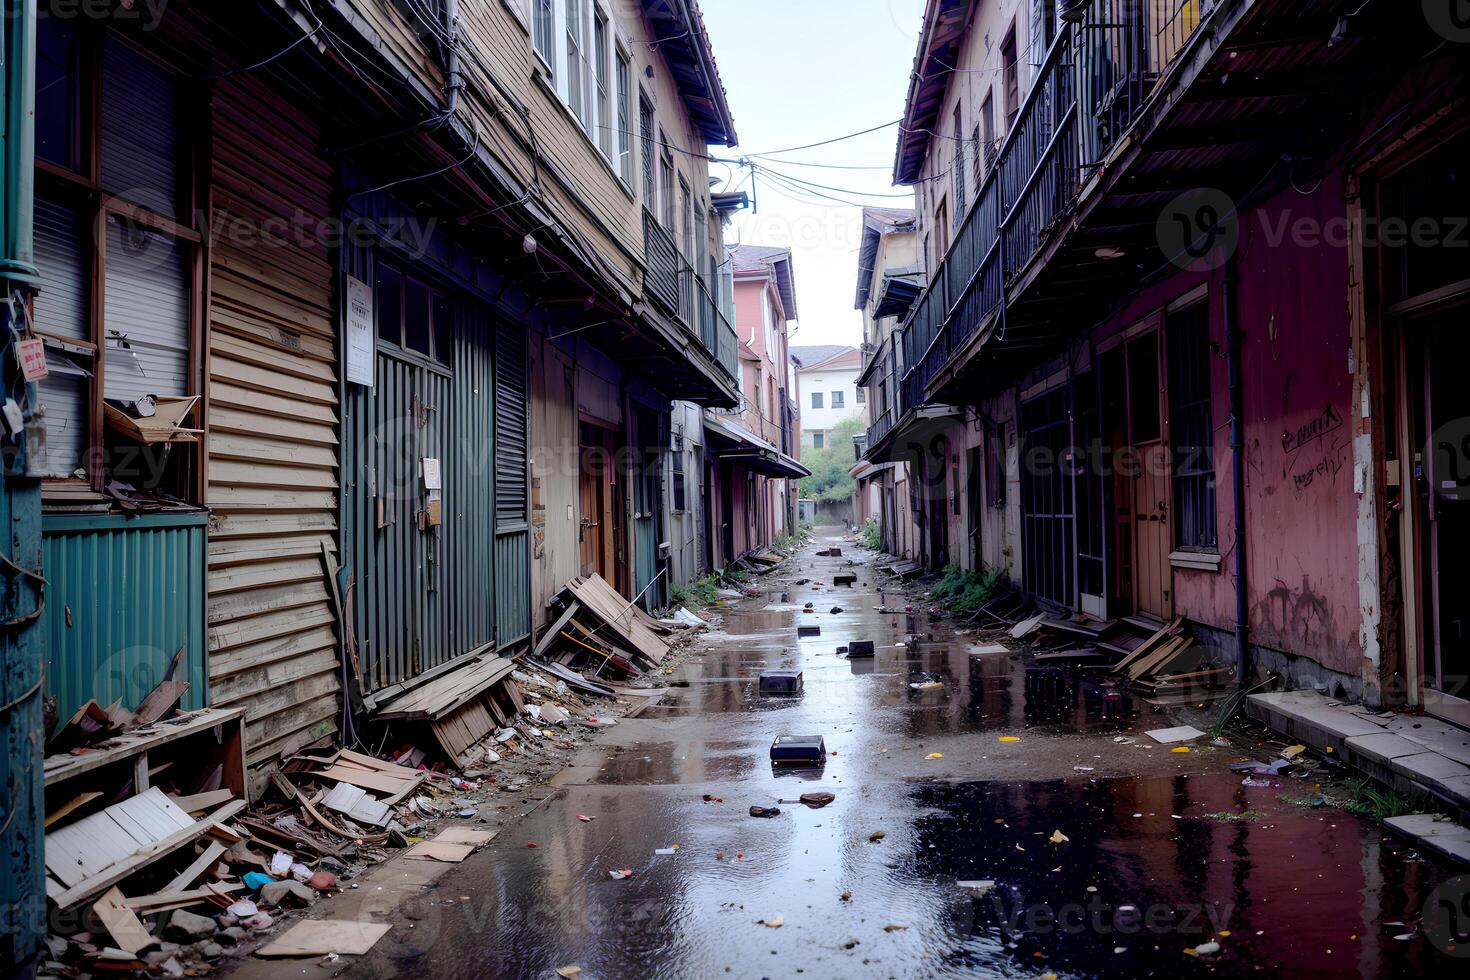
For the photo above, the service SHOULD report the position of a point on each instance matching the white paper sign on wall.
(361, 332)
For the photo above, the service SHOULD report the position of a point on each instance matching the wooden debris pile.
(599, 633)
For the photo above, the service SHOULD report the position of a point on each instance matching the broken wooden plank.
(195, 871)
(96, 884)
(555, 629)
(70, 806)
(447, 692)
(1159, 637)
(199, 802)
(121, 923)
(160, 701)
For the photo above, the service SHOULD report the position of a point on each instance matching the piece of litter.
(625, 873)
(935, 755)
(1057, 837)
(981, 887)
(894, 927)
(584, 818)
(876, 836)
(663, 850)
(1180, 748)
(1207, 949)
(568, 971)
(1009, 738)
(775, 923)
(1084, 769)
(1168, 736)
(1291, 752)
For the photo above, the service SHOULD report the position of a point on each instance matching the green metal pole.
(22, 814)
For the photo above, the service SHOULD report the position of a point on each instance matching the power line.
(835, 139)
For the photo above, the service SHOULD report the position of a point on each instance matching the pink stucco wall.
(1300, 508)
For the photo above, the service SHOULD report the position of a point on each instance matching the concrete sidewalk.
(1416, 755)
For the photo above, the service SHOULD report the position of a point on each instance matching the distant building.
(827, 380)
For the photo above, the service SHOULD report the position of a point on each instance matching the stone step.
(1415, 755)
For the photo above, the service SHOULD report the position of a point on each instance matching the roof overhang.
(897, 295)
(945, 25)
(737, 444)
(877, 222)
(894, 446)
(680, 36)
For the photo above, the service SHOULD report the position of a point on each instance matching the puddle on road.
(977, 692)
(1300, 891)
(1285, 890)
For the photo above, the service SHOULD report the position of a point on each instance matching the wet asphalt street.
(1164, 853)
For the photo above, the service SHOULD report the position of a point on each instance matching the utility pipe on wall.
(1237, 458)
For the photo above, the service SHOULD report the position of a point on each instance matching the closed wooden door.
(1150, 467)
(595, 530)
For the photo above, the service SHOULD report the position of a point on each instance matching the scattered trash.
(860, 648)
(781, 682)
(799, 750)
(980, 888)
(708, 798)
(926, 685)
(1205, 949)
(1084, 769)
(1180, 748)
(619, 875)
(1291, 752)
(584, 818)
(1057, 837)
(1009, 738)
(567, 972)
(876, 836)
(894, 927)
(765, 811)
(935, 755)
(665, 851)
(775, 923)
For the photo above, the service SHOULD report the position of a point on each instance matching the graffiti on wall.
(1316, 451)
(1301, 612)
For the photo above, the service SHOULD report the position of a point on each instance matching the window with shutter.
(118, 251)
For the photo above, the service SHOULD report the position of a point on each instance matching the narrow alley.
(920, 866)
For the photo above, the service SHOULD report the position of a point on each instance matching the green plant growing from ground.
(1372, 801)
(963, 591)
(872, 535)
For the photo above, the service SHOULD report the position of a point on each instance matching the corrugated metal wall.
(425, 597)
(512, 522)
(154, 565)
(273, 431)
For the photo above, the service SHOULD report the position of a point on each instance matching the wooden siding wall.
(272, 469)
(582, 190)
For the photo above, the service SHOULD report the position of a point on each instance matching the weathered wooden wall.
(273, 420)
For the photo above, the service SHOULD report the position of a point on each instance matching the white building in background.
(827, 383)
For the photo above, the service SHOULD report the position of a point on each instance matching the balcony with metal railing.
(683, 293)
(1090, 88)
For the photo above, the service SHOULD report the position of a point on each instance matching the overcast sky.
(801, 71)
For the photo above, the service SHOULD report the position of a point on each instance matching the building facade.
(1188, 272)
(753, 448)
(827, 376)
(365, 348)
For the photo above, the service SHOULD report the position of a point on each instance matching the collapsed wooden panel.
(273, 433)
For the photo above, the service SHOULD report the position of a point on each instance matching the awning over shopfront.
(736, 443)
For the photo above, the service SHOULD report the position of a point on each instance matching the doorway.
(598, 479)
(1438, 404)
(1133, 402)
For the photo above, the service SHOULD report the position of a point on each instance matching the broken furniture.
(153, 420)
(781, 682)
(462, 707)
(596, 626)
(118, 820)
(798, 750)
(847, 579)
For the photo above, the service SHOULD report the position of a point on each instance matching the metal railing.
(662, 258)
(681, 291)
(1091, 87)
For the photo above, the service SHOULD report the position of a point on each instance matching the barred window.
(1191, 430)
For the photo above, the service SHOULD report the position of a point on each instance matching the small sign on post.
(32, 354)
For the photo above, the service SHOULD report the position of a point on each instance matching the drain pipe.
(453, 78)
(1237, 455)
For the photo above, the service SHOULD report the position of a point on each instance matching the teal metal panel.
(124, 596)
(512, 587)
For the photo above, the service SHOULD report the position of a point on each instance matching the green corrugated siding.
(426, 597)
(124, 595)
